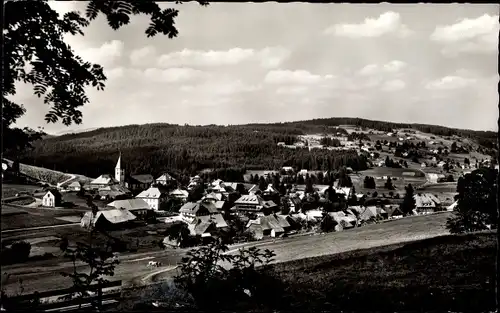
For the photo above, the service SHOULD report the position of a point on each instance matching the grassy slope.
(443, 273)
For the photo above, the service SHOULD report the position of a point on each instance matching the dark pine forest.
(155, 148)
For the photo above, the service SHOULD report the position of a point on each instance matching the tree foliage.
(35, 53)
(409, 202)
(216, 279)
(477, 202)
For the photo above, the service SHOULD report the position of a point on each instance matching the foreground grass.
(442, 273)
(28, 220)
(452, 273)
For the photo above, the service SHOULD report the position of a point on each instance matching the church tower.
(119, 172)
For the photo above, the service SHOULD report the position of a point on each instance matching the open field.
(10, 190)
(31, 219)
(443, 273)
(447, 273)
(287, 249)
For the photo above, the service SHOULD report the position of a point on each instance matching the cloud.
(142, 56)
(267, 57)
(391, 67)
(393, 85)
(479, 35)
(294, 77)
(173, 75)
(386, 23)
(220, 88)
(104, 55)
(292, 90)
(450, 82)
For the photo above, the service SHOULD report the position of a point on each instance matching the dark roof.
(192, 207)
(56, 194)
(143, 178)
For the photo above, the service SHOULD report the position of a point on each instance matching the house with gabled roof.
(196, 209)
(107, 218)
(154, 197)
(52, 198)
(270, 225)
(103, 181)
(426, 203)
(165, 179)
(138, 207)
(139, 181)
(114, 191)
(180, 194)
(253, 204)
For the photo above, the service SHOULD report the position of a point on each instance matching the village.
(280, 202)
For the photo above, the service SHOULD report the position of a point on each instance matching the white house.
(52, 199)
(153, 197)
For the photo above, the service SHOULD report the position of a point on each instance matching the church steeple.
(119, 172)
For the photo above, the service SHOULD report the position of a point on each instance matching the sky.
(236, 63)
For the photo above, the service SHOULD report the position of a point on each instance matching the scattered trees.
(369, 182)
(409, 202)
(388, 184)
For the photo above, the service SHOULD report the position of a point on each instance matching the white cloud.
(386, 23)
(450, 82)
(479, 35)
(104, 55)
(294, 77)
(292, 90)
(142, 56)
(390, 67)
(393, 85)
(268, 57)
(394, 66)
(172, 75)
(220, 88)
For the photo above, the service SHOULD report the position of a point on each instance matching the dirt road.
(133, 270)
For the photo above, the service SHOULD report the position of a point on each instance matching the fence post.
(99, 296)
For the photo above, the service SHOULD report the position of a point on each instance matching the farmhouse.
(206, 225)
(75, 186)
(165, 179)
(113, 191)
(138, 182)
(426, 203)
(191, 210)
(52, 199)
(107, 218)
(154, 197)
(344, 221)
(103, 181)
(270, 225)
(179, 194)
(253, 204)
(138, 207)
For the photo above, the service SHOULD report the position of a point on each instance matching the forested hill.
(481, 136)
(155, 148)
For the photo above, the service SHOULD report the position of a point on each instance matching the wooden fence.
(50, 301)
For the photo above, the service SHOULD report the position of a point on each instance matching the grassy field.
(28, 220)
(10, 190)
(442, 273)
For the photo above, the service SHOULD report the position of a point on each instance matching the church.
(134, 183)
